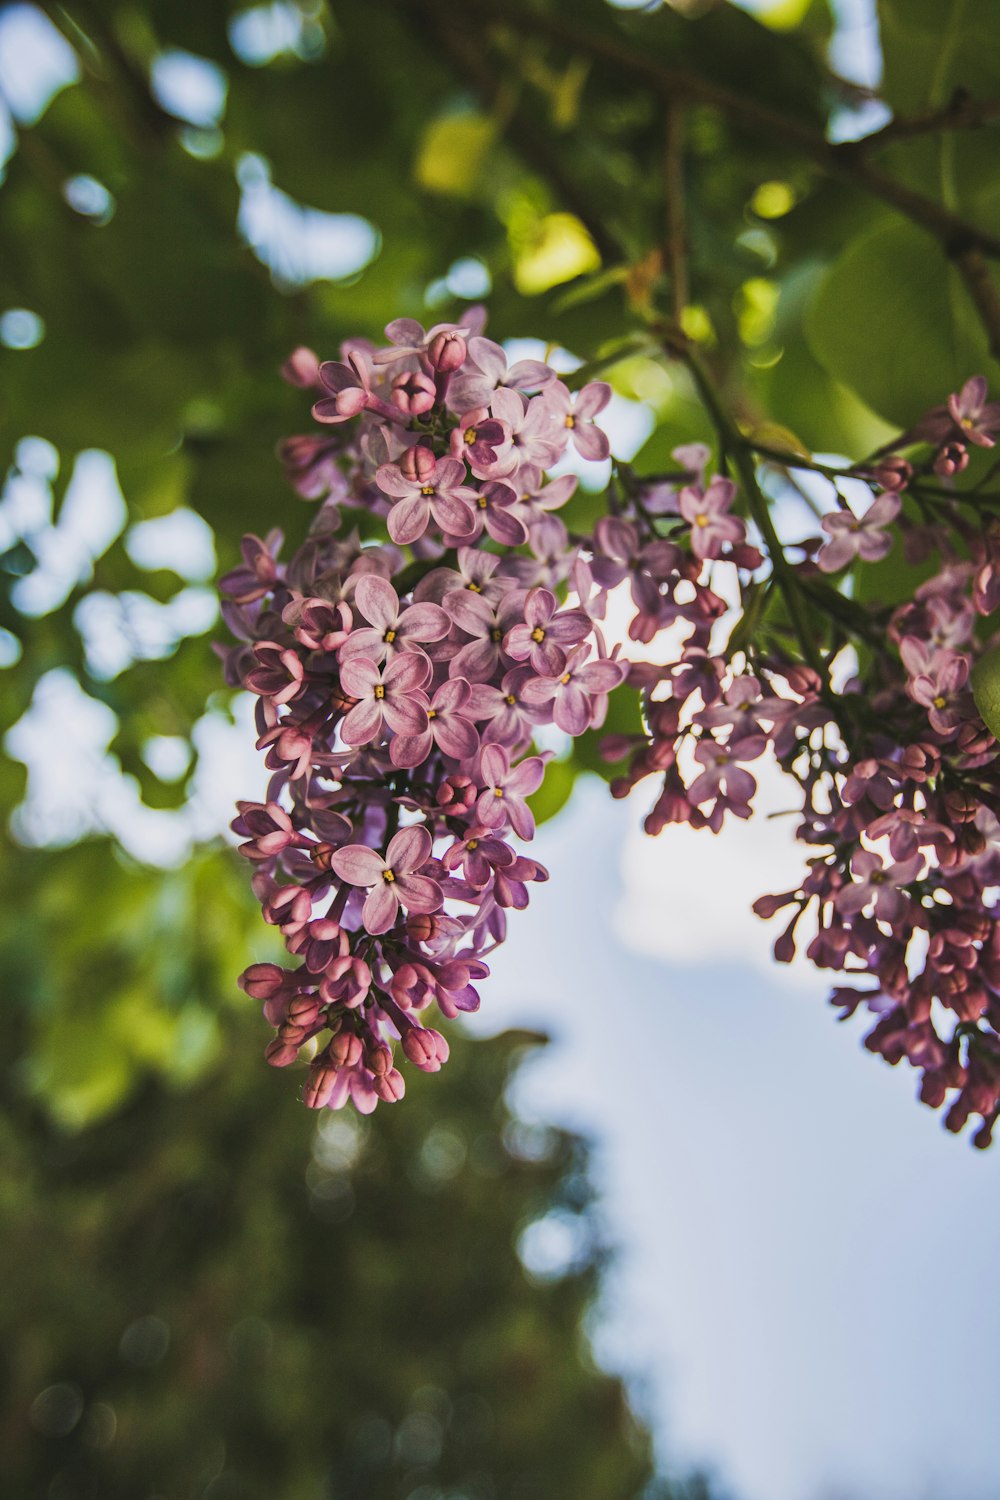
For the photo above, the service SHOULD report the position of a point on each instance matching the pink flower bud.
(893, 473)
(319, 1086)
(414, 394)
(951, 458)
(261, 981)
(418, 464)
(447, 352)
(303, 1010)
(344, 1050)
(390, 1086)
(379, 1059)
(280, 1054)
(425, 1048)
(301, 369)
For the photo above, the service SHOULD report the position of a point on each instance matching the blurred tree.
(206, 1295)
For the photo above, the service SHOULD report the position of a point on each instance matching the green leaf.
(932, 47)
(554, 791)
(892, 322)
(452, 153)
(986, 689)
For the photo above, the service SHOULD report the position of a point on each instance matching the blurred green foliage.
(205, 1296)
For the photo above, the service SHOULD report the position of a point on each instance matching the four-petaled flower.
(449, 726)
(546, 635)
(976, 418)
(874, 882)
(708, 513)
(858, 536)
(391, 629)
(440, 493)
(393, 880)
(571, 692)
(503, 800)
(939, 685)
(393, 695)
(578, 414)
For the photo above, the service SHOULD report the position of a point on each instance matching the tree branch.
(979, 283)
(843, 161)
(962, 112)
(674, 208)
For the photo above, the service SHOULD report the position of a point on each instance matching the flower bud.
(975, 739)
(951, 458)
(280, 1054)
(303, 1010)
(344, 1049)
(319, 1086)
(425, 1048)
(420, 927)
(321, 856)
(378, 1058)
(418, 464)
(893, 473)
(447, 352)
(920, 762)
(301, 368)
(413, 393)
(261, 981)
(390, 1086)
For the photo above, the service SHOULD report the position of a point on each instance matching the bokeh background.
(661, 1228)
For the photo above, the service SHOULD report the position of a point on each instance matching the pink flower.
(570, 693)
(487, 624)
(391, 629)
(484, 443)
(708, 513)
(577, 414)
(939, 688)
(486, 369)
(393, 880)
(438, 492)
(449, 727)
(350, 387)
(544, 634)
(875, 883)
(503, 800)
(976, 418)
(388, 695)
(534, 436)
(495, 511)
(852, 536)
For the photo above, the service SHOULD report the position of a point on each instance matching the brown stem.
(972, 266)
(962, 112)
(674, 208)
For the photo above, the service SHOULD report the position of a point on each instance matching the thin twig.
(972, 266)
(962, 112)
(674, 208)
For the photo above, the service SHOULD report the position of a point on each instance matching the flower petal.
(357, 864)
(378, 601)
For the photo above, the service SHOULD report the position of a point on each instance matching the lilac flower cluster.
(401, 684)
(899, 774)
(906, 832)
(399, 692)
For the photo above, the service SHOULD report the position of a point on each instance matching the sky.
(797, 1291)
